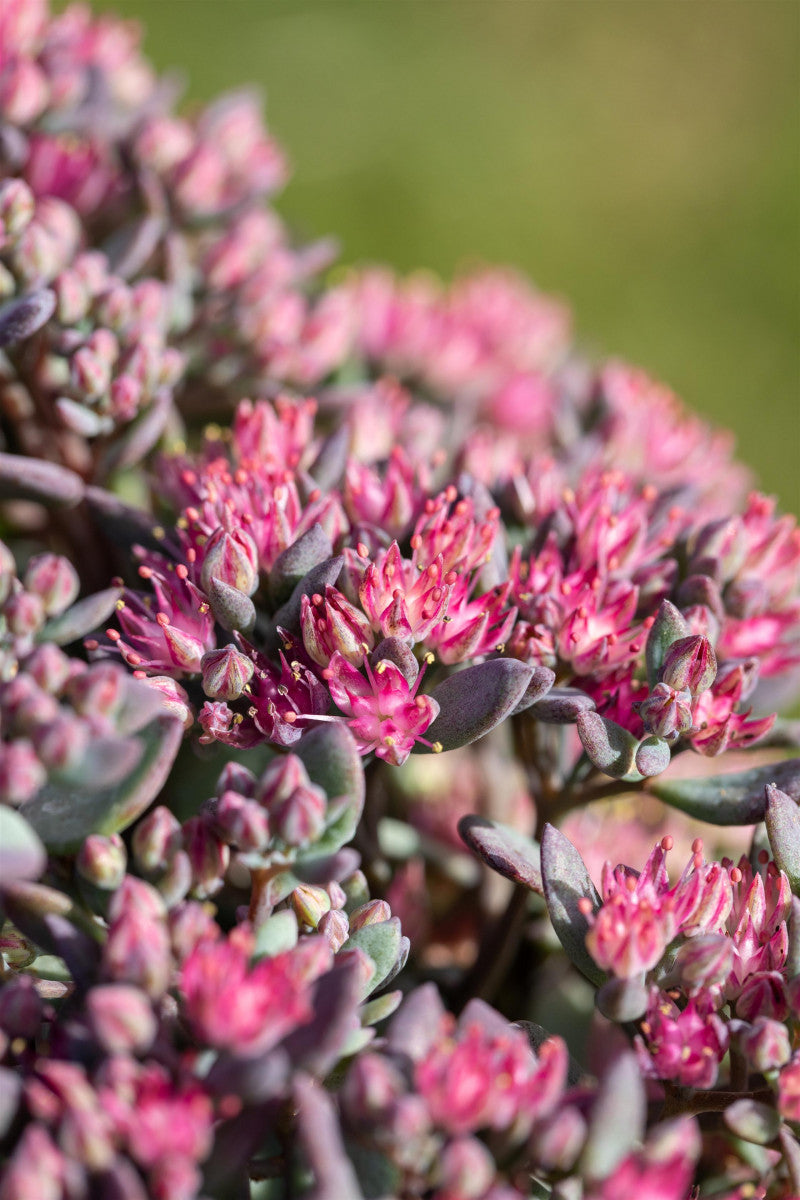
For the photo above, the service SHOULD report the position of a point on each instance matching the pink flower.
(385, 713)
(402, 601)
(662, 1170)
(247, 1009)
(172, 639)
(789, 1091)
(685, 1046)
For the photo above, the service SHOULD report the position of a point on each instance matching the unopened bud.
(335, 928)
(231, 558)
(102, 861)
(310, 904)
(156, 838)
(667, 712)
(54, 579)
(208, 855)
(234, 777)
(62, 742)
(705, 961)
(90, 374)
(466, 1169)
(21, 772)
(241, 822)
(24, 613)
(763, 995)
(226, 673)
(766, 1044)
(371, 1089)
(50, 667)
(17, 206)
(558, 1140)
(371, 913)
(690, 663)
(121, 1018)
(296, 806)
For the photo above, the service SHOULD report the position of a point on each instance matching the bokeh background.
(639, 157)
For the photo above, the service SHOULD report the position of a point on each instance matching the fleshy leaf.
(475, 700)
(20, 318)
(63, 816)
(380, 1008)
(652, 756)
(623, 1000)
(566, 882)
(233, 609)
(139, 437)
(320, 1139)
(22, 855)
(735, 799)
(752, 1121)
(328, 467)
(311, 548)
(608, 746)
(330, 755)
(541, 682)
(505, 850)
(382, 943)
(667, 628)
(277, 934)
(125, 525)
(130, 248)
(618, 1118)
(82, 618)
(562, 706)
(24, 478)
(783, 827)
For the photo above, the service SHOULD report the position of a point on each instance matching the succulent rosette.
(329, 614)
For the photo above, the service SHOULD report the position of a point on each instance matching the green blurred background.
(640, 158)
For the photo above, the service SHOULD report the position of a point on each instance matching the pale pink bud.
(310, 903)
(50, 667)
(242, 822)
(121, 1018)
(335, 928)
(763, 995)
(705, 961)
(24, 613)
(690, 663)
(226, 673)
(91, 375)
(156, 838)
(766, 1044)
(21, 773)
(17, 206)
(208, 856)
(102, 861)
(233, 559)
(371, 1089)
(62, 742)
(466, 1169)
(371, 913)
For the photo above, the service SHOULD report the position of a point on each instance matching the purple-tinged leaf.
(316, 580)
(623, 1000)
(473, 701)
(668, 626)
(80, 419)
(24, 478)
(330, 755)
(505, 850)
(84, 617)
(231, 608)
(22, 855)
(562, 706)
(311, 548)
(608, 746)
(321, 1141)
(20, 318)
(618, 1118)
(328, 467)
(735, 799)
(541, 682)
(64, 816)
(395, 650)
(139, 437)
(566, 885)
(49, 919)
(783, 826)
(652, 757)
(10, 1098)
(752, 1121)
(537, 1035)
(126, 526)
(414, 1030)
(792, 965)
(129, 249)
(317, 1045)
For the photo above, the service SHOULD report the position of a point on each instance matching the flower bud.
(466, 1169)
(21, 773)
(371, 1089)
(49, 667)
(126, 397)
(690, 663)
(156, 838)
(102, 861)
(235, 777)
(667, 711)
(90, 374)
(21, 1008)
(558, 1140)
(335, 928)
(17, 206)
(332, 624)
(226, 673)
(296, 806)
(62, 742)
(705, 961)
(121, 1018)
(176, 699)
(137, 949)
(189, 924)
(208, 856)
(36, 1167)
(766, 1044)
(85, 1135)
(98, 690)
(764, 995)
(310, 904)
(371, 913)
(24, 613)
(241, 822)
(232, 558)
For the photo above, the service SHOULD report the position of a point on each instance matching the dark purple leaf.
(783, 826)
(311, 548)
(20, 318)
(473, 701)
(505, 850)
(35, 479)
(735, 799)
(562, 706)
(566, 883)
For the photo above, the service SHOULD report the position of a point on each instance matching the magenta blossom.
(384, 711)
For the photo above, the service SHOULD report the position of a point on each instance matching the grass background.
(640, 157)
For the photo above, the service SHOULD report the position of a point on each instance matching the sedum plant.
(351, 631)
